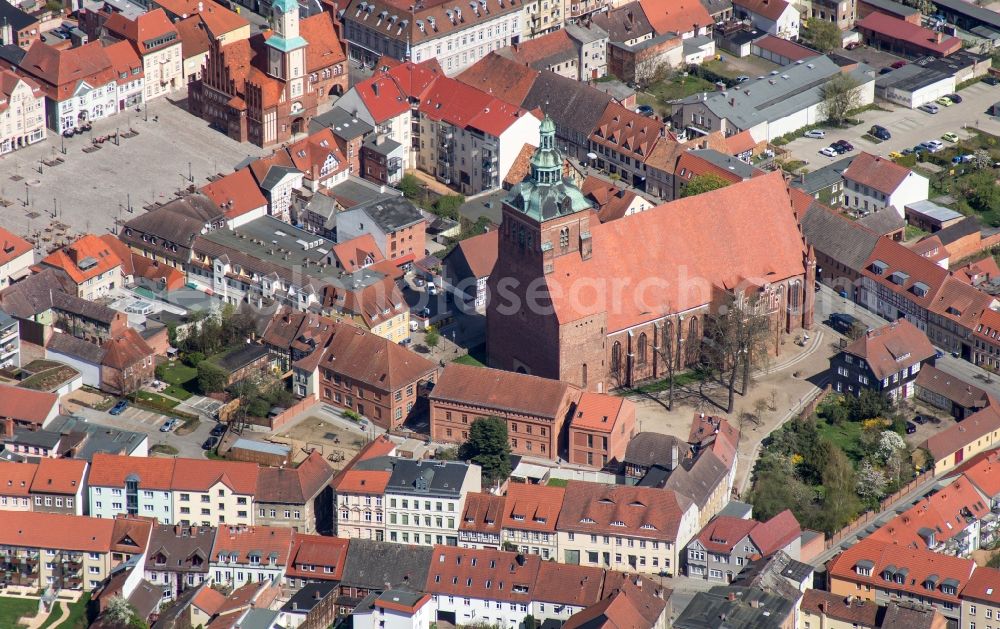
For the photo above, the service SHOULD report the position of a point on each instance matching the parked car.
(644, 110)
(118, 408)
(895, 155)
(742, 78)
(955, 98)
(885, 71)
(930, 108)
(898, 65)
(418, 282)
(944, 101)
(950, 137)
(210, 443)
(432, 289)
(842, 322)
(934, 145)
(911, 428)
(169, 425)
(852, 45)
(920, 419)
(880, 132)
(847, 146)
(963, 159)
(815, 133)
(991, 80)
(218, 430)
(828, 151)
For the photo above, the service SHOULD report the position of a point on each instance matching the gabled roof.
(16, 478)
(36, 529)
(377, 565)
(199, 475)
(12, 246)
(325, 48)
(532, 507)
(626, 131)
(321, 552)
(148, 32)
(723, 533)
(892, 348)
(952, 388)
(125, 61)
(902, 30)
(482, 574)
(542, 52)
(984, 473)
(483, 513)
(83, 260)
(857, 611)
(776, 533)
(208, 600)
(612, 201)
(262, 541)
(387, 93)
(575, 107)
(60, 72)
(217, 19)
(668, 16)
(770, 9)
(569, 584)
(501, 77)
(466, 107)
(111, 470)
(956, 437)
(624, 23)
(376, 361)
(477, 255)
(876, 172)
(594, 508)
(195, 38)
(58, 476)
(180, 546)
(503, 390)
(984, 586)
(125, 350)
(297, 485)
(26, 405)
(236, 194)
(936, 518)
(904, 272)
(599, 411)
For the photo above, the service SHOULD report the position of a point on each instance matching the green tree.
(193, 359)
(703, 183)
(409, 185)
(432, 337)
(868, 405)
(840, 502)
(447, 206)
(211, 377)
(489, 447)
(822, 35)
(774, 492)
(993, 561)
(840, 95)
(120, 614)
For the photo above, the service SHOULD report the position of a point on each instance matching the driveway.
(148, 423)
(909, 127)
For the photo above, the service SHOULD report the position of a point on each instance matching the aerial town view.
(500, 314)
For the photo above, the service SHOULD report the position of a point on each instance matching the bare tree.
(668, 342)
(737, 339)
(840, 95)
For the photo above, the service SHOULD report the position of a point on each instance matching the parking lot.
(909, 127)
(148, 422)
(89, 191)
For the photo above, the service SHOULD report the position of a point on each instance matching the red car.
(898, 65)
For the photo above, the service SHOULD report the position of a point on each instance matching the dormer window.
(899, 278)
(864, 567)
(920, 289)
(879, 268)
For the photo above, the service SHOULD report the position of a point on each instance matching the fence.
(884, 505)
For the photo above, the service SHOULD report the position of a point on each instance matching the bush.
(211, 377)
(193, 359)
(447, 206)
(160, 371)
(352, 415)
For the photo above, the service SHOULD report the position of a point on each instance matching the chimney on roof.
(8, 427)
(939, 37)
(675, 454)
(822, 607)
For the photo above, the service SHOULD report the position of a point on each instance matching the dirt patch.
(188, 427)
(336, 444)
(82, 397)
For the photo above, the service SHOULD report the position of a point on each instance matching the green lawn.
(680, 379)
(57, 613)
(156, 399)
(847, 437)
(77, 614)
(557, 482)
(657, 94)
(12, 609)
(183, 380)
(468, 359)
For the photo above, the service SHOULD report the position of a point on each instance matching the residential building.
(59, 486)
(529, 519)
(16, 258)
(950, 394)
(320, 159)
(534, 409)
(367, 374)
(872, 183)
(425, 500)
(214, 493)
(688, 20)
(771, 106)
(880, 571)
(891, 34)
(723, 548)
(247, 554)
(594, 348)
(127, 364)
(820, 608)
(395, 224)
(167, 233)
(962, 441)
(981, 598)
(305, 64)
(238, 196)
(373, 566)
(132, 485)
(638, 603)
(27, 408)
(776, 17)
(600, 430)
(20, 28)
(178, 557)
(395, 609)
(540, 17)
(15, 485)
(482, 519)
(749, 607)
(885, 359)
(129, 78)
(157, 43)
(10, 342)
(595, 530)
(79, 83)
(22, 116)
(456, 36)
(613, 201)
(297, 497)
(578, 51)
(292, 335)
(316, 559)
(90, 264)
(468, 266)
(359, 489)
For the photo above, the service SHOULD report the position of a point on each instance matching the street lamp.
(190, 174)
(27, 198)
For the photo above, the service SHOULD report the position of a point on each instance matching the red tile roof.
(934, 250)
(482, 574)
(361, 482)
(145, 28)
(541, 49)
(325, 48)
(466, 107)
(568, 584)
(16, 478)
(124, 60)
(502, 390)
(126, 350)
(857, 611)
(12, 246)
(984, 586)
(956, 437)
(919, 564)
(776, 533)
(877, 172)
(199, 475)
(131, 534)
(532, 507)
(245, 540)
(26, 405)
(318, 155)
(985, 473)
(914, 34)
(976, 272)
(373, 360)
(58, 476)
(294, 485)
(500, 77)
(783, 47)
(594, 508)
(236, 194)
(111, 470)
(195, 39)
(72, 259)
(916, 269)
(723, 533)
(623, 130)
(35, 529)
(612, 201)
(670, 16)
(892, 347)
(692, 165)
(942, 515)
(480, 253)
(386, 94)
(357, 253)
(695, 233)
(483, 513)
(770, 9)
(321, 552)
(598, 411)
(208, 600)
(742, 142)
(218, 19)
(61, 71)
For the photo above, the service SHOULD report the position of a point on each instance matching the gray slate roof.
(379, 565)
(727, 162)
(69, 345)
(751, 609)
(841, 239)
(393, 213)
(884, 221)
(822, 178)
(342, 123)
(427, 478)
(573, 106)
(652, 448)
(965, 227)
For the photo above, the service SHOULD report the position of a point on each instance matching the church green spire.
(544, 194)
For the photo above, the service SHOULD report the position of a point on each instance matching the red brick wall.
(623, 429)
(377, 405)
(406, 241)
(450, 423)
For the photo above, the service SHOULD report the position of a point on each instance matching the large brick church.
(595, 304)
